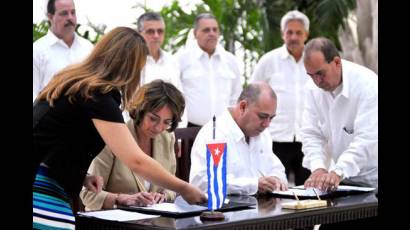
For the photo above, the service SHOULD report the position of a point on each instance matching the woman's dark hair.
(152, 97)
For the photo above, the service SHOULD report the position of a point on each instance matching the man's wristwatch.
(339, 172)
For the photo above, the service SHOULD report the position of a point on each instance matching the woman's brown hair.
(115, 63)
(152, 97)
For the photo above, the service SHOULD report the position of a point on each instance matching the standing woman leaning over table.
(79, 112)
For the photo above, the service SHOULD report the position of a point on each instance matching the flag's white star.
(217, 151)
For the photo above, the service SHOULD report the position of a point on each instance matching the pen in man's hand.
(260, 173)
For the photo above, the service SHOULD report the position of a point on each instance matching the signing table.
(267, 213)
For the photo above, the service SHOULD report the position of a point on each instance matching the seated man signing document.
(251, 165)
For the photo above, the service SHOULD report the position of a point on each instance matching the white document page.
(179, 206)
(309, 192)
(118, 215)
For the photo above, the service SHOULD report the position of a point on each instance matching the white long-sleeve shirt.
(166, 69)
(245, 162)
(210, 83)
(51, 54)
(287, 78)
(344, 128)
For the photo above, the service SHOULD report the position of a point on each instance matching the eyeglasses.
(209, 29)
(152, 31)
(156, 120)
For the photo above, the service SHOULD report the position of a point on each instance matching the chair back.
(184, 139)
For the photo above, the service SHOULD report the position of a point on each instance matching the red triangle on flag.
(217, 150)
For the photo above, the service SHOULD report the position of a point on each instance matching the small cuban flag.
(216, 170)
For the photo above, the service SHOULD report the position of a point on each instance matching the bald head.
(255, 108)
(253, 91)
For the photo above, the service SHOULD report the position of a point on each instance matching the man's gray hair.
(251, 92)
(294, 15)
(202, 16)
(148, 16)
(323, 45)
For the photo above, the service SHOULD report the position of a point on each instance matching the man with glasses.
(160, 64)
(60, 47)
(340, 120)
(251, 165)
(283, 69)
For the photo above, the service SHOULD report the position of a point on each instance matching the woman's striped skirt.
(51, 205)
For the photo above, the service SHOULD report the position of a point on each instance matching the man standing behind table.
(60, 47)
(160, 64)
(283, 69)
(209, 74)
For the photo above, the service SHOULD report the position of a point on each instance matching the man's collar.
(160, 59)
(284, 53)
(53, 39)
(199, 52)
(345, 80)
(236, 131)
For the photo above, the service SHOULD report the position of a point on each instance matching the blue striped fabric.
(51, 206)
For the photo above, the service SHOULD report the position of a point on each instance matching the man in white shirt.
(60, 47)
(251, 166)
(160, 64)
(209, 74)
(283, 69)
(340, 125)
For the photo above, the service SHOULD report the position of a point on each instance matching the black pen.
(347, 131)
(213, 130)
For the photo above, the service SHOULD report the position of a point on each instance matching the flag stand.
(212, 216)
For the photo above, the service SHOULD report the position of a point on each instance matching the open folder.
(308, 193)
(180, 208)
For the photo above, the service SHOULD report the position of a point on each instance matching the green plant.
(39, 30)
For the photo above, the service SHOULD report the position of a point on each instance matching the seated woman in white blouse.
(157, 109)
